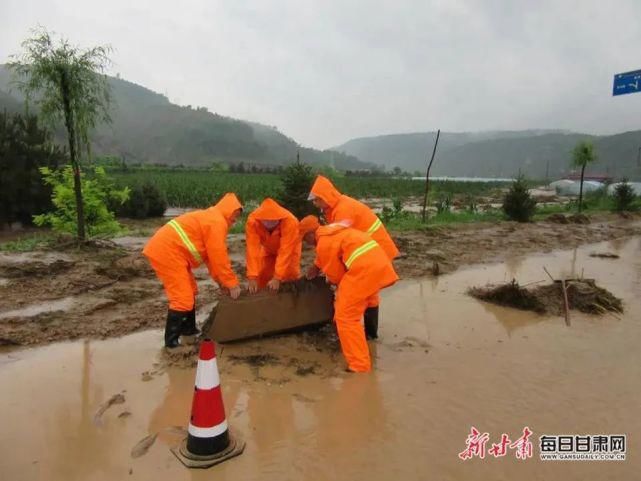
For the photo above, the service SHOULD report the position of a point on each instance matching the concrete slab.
(297, 305)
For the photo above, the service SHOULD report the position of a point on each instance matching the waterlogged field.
(199, 188)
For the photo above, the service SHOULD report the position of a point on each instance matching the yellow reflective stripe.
(185, 238)
(368, 246)
(375, 226)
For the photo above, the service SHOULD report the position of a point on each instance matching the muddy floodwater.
(444, 362)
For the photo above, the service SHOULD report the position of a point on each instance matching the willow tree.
(66, 84)
(582, 155)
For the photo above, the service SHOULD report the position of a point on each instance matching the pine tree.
(24, 148)
(297, 179)
(518, 204)
(624, 197)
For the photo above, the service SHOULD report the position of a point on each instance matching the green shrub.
(624, 197)
(518, 204)
(97, 192)
(471, 204)
(395, 212)
(145, 200)
(443, 204)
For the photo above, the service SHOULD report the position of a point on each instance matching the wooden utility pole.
(547, 171)
(427, 176)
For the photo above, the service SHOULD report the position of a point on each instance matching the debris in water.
(184, 356)
(583, 295)
(436, 268)
(255, 360)
(178, 430)
(409, 342)
(604, 255)
(304, 399)
(115, 399)
(511, 295)
(143, 445)
(305, 369)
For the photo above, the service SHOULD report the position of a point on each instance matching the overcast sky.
(326, 71)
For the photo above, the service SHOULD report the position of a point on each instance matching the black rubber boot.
(371, 322)
(173, 327)
(188, 327)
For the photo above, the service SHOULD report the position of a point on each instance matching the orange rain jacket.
(200, 238)
(360, 267)
(272, 254)
(347, 254)
(343, 207)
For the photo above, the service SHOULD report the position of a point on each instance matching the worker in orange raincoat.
(337, 207)
(360, 267)
(273, 246)
(183, 244)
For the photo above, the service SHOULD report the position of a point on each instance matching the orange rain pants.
(360, 268)
(178, 282)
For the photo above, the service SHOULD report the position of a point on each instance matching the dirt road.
(100, 292)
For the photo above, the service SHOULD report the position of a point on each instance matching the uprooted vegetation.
(583, 295)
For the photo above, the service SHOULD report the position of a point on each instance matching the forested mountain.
(148, 128)
(498, 153)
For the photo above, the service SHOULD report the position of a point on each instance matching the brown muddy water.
(444, 362)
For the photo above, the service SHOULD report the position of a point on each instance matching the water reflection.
(78, 448)
(512, 319)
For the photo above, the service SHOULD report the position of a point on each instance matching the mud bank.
(454, 246)
(111, 291)
(444, 362)
(581, 294)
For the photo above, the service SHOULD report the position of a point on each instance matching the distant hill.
(498, 153)
(148, 128)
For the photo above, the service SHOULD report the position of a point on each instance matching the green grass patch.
(408, 221)
(29, 243)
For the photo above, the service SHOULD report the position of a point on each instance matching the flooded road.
(444, 362)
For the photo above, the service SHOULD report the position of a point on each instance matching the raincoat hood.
(325, 190)
(228, 204)
(269, 209)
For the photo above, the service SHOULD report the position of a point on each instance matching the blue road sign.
(627, 83)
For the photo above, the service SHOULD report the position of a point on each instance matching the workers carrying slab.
(338, 207)
(183, 244)
(273, 247)
(359, 266)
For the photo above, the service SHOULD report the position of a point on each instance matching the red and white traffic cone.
(209, 441)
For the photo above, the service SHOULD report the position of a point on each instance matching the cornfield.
(201, 188)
